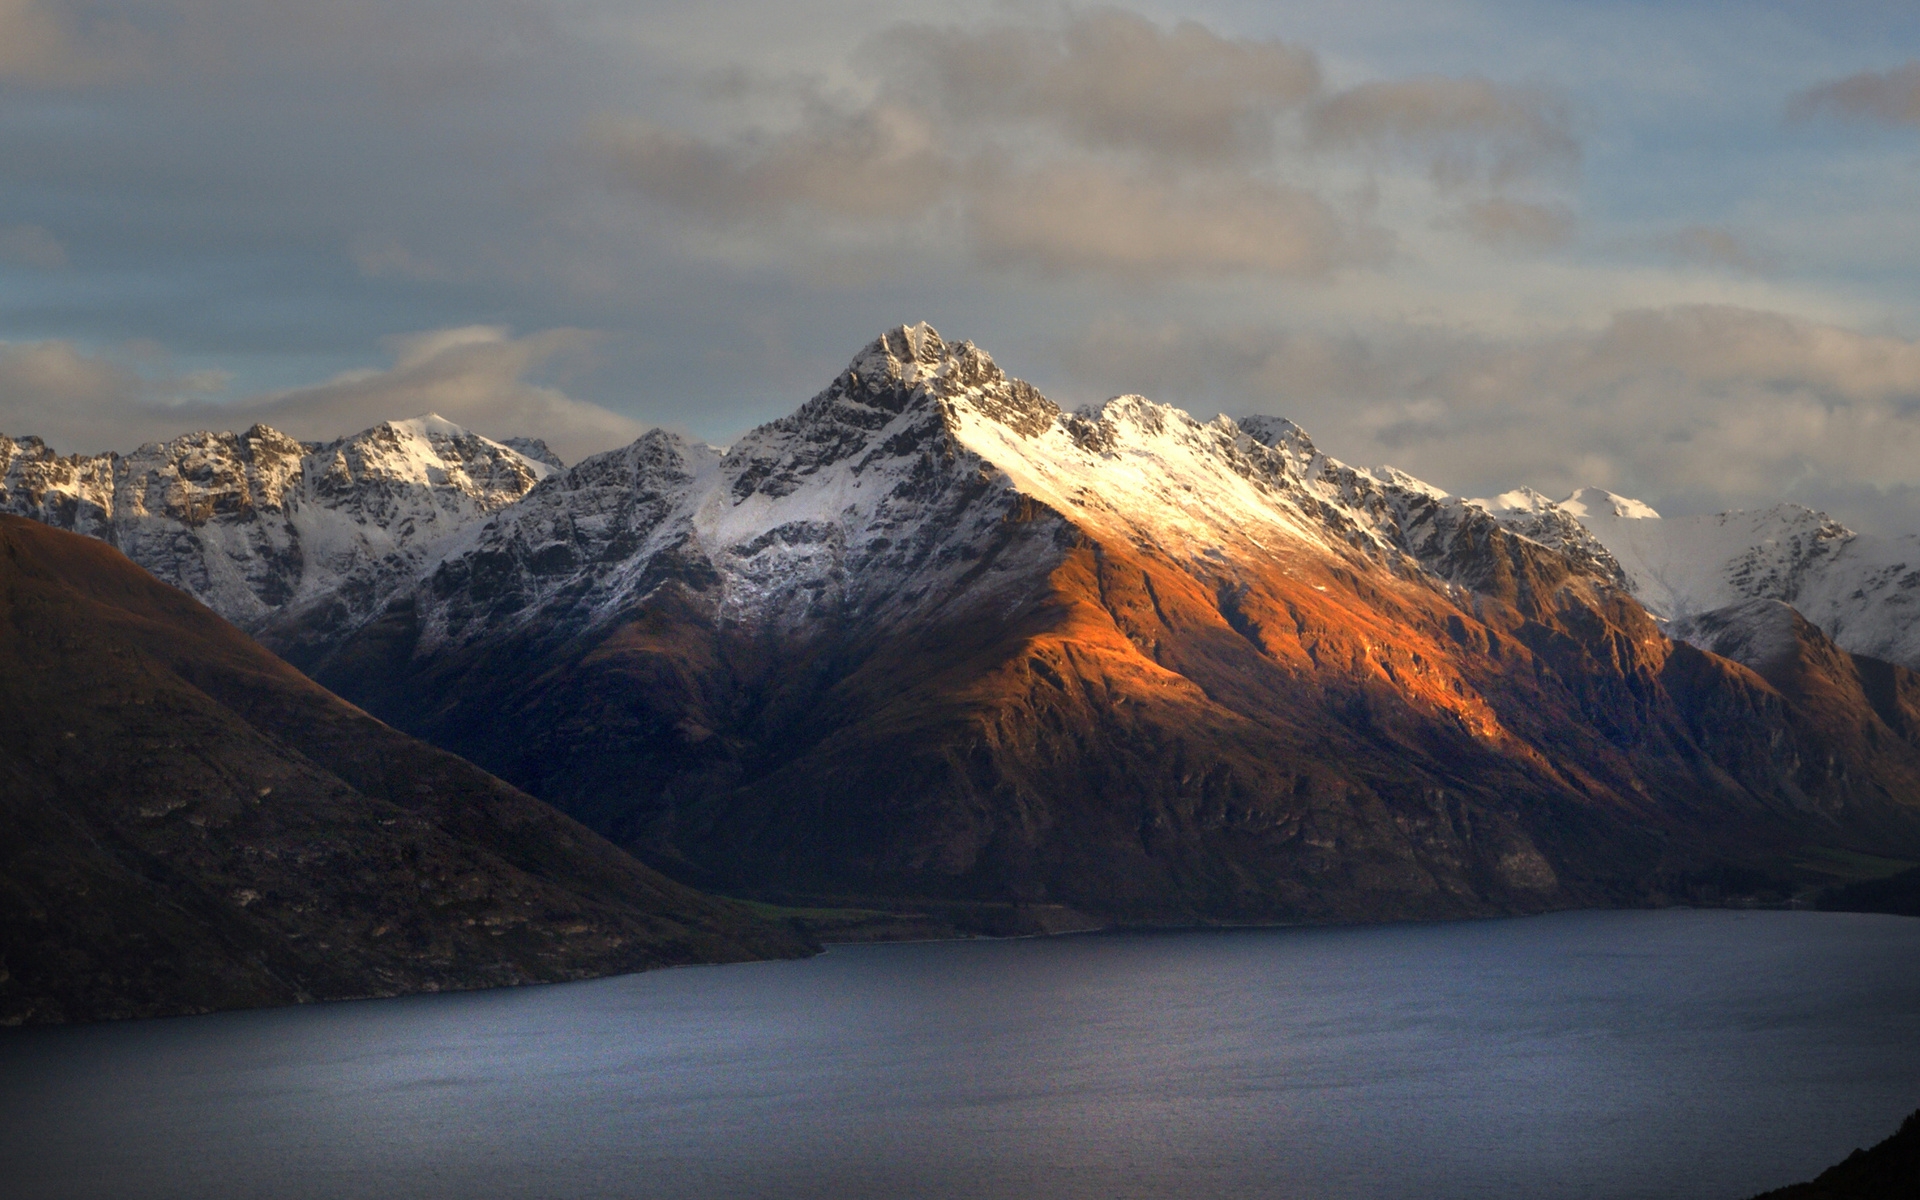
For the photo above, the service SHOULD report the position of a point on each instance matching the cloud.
(1102, 144)
(1468, 131)
(1515, 224)
(61, 43)
(31, 246)
(1105, 145)
(885, 161)
(1694, 408)
(1890, 97)
(1708, 246)
(1074, 214)
(1110, 79)
(82, 401)
(474, 376)
(36, 44)
(1090, 217)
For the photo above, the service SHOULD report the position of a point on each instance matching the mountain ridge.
(1862, 590)
(901, 642)
(256, 524)
(931, 635)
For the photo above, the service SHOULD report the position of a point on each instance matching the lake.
(1600, 1055)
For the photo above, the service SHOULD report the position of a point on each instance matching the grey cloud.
(1891, 97)
(1707, 246)
(1090, 217)
(1102, 144)
(1074, 215)
(1468, 131)
(1113, 80)
(886, 161)
(59, 43)
(1694, 408)
(31, 246)
(1515, 224)
(476, 376)
(1105, 145)
(82, 401)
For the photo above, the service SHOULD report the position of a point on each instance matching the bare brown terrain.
(187, 823)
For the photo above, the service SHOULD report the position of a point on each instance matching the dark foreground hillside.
(187, 823)
(1889, 1171)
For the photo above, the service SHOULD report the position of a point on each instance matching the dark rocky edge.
(1889, 1171)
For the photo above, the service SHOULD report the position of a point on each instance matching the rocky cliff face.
(932, 636)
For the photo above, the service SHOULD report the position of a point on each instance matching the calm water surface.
(1592, 1055)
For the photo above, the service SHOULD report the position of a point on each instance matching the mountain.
(932, 636)
(261, 527)
(1862, 591)
(187, 823)
(1888, 1171)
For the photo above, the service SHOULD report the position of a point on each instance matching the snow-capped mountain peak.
(1702, 575)
(892, 492)
(1516, 502)
(255, 522)
(1598, 502)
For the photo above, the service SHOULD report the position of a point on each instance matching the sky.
(1668, 249)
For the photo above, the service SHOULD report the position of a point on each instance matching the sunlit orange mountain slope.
(931, 636)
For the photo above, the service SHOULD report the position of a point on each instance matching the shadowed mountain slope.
(187, 823)
(1888, 1171)
(931, 636)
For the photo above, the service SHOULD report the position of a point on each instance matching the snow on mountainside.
(843, 510)
(1861, 591)
(833, 509)
(931, 635)
(836, 510)
(255, 523)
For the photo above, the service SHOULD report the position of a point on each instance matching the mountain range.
(931, 637)
(1863, 591)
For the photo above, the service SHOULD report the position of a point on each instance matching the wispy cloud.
(1110, 79)
(1710, 246)
(475, 376)
(1694, 407)
(1890, 97)
(1515, 224)
(31, 246)
(882, 161)
(1467, 131)
(1088, 216)
(1108, 144)
(60, 43)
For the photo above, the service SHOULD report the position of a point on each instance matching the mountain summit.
(933, 636)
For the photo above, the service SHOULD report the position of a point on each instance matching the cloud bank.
(1107, 144)
(475, 376)
(1694, 408)
(1888, 97)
